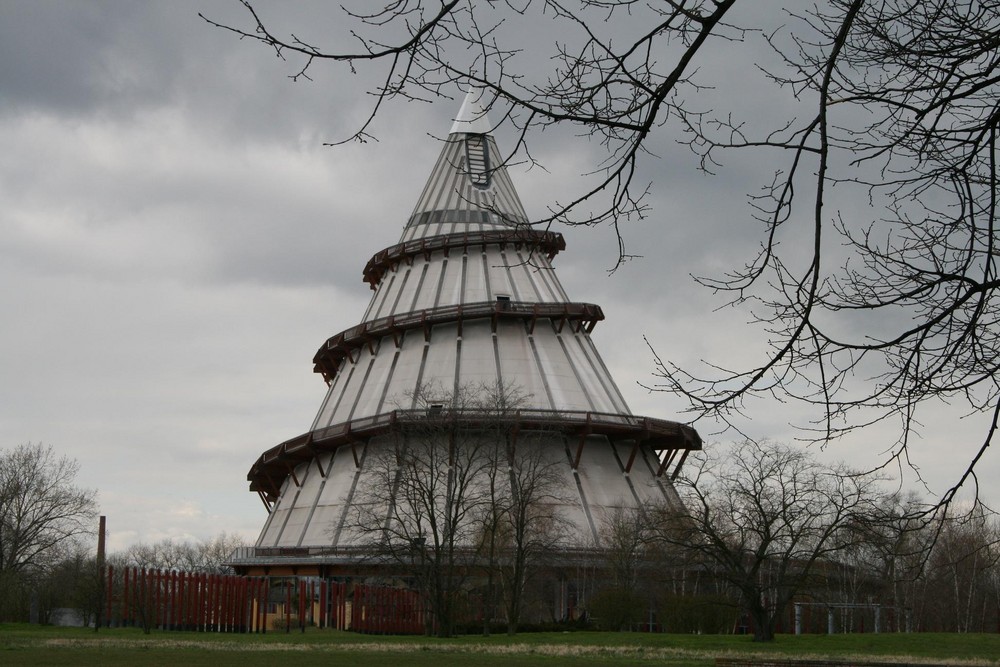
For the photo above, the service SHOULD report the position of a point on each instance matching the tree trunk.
(763, 624)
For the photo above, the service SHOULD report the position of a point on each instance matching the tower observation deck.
(466, 299)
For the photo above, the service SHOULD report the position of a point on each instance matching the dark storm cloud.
(178, 242)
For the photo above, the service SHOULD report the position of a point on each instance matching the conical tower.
(468, 297)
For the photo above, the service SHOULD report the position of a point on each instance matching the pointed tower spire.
(467, 298)
(469, 189)
(472, 118)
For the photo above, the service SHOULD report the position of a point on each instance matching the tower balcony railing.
(348, 343)
(671, 441)
(551, 243)
(249, 556)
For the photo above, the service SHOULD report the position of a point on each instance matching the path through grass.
(32, 645)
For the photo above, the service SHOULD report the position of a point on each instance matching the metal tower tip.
(472, 118)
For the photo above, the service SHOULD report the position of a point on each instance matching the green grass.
(34, 645)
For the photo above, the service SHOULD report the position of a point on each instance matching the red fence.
(198, 601)
(384, 610)
(201, 602)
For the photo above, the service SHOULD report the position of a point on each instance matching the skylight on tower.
(477, 160)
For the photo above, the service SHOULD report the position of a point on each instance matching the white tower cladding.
(467, 298)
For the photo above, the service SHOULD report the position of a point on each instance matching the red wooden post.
(147, 598)
(398, 617)
(152, 578)
(336, 613)
(323, 590)
(110, 593)
(231, 594)
(400, 611)
(202, 602)
(234, 594)
(220, 606)
(253, 604)
(168, 585)
(245, 591)
(135, 600)
(170, 599)
(234, 604)
(143, 605)
(174, 598)
(183, 603)
(178, 601)
(183, 600)
(209, 609)
(190, 590)
(229, 606)
(125, 597)
(249, 608)
(342, 606)
(164, 589)
(356, 609)
(158, 592)
(265, 603)
(288, 606)
(239, 622)
(385, 597)
(217, 606)
(206, 602)
(210, 603)
(312, 601)
(196, 601)
(154, 596)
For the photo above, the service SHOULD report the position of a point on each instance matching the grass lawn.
(33, 645)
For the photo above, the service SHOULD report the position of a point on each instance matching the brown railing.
(672, 440)
(344, 344)
(246, 557)
(548, 242)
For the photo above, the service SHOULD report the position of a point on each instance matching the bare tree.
(764, 515)
(168, 554)
(423, 495)
(626, 535)
(531, 519)
(41, 510)
(72, 582)
(886, 558)
(628, 546)
(872, 315)
(960, 572)
(459, 491)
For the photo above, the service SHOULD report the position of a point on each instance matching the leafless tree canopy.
(41, 508)
(168, 554)
(445, 501)
(43, 514)
(765, 515)
(872, 317)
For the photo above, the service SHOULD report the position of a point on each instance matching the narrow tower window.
(477, 159)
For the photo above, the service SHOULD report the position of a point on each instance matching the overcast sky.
(175, 244)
